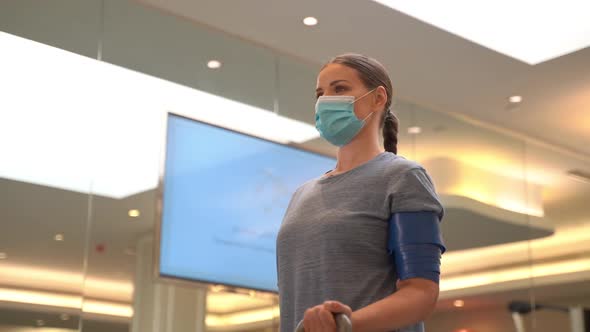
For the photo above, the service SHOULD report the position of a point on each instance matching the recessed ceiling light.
(59, 237)
(414, 130)
(459, 303)
(533, 42)
(40, 322)
(3, 255)
(64, 317)
(214, 64)
(310, 21)
(134, 213)
(515, 99)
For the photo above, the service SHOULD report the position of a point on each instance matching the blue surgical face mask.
(335, 118)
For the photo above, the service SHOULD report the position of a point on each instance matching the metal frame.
(159, 207)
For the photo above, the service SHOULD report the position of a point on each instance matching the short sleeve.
(414, 191)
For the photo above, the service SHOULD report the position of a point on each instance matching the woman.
(363, 239)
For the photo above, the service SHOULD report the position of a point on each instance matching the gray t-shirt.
(332, 244)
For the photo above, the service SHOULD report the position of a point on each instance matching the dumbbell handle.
(343, 324)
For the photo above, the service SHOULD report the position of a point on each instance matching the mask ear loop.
(368, 116)
(363, 96)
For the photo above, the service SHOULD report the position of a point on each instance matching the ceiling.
(428, 65)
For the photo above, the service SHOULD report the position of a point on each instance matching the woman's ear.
(380, 97)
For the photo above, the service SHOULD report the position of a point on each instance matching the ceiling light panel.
(527, 30)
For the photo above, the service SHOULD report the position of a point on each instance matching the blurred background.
(494, 101)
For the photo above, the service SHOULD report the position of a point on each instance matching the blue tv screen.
(224, 197)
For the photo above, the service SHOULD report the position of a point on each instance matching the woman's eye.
(339, 89)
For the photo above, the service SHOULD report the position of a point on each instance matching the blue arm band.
(416, 244)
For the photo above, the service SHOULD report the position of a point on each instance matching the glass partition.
(46, 165)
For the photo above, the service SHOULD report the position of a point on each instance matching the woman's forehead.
(336, 71)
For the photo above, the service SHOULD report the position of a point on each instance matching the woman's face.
(340, 80)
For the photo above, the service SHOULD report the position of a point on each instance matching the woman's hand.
(321, 317)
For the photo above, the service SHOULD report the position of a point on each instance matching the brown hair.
(373, 74)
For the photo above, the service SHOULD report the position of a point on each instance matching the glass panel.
(560, 262)
(491, 211)
(406, 115)
(67, 24)
(45, 173)
(163, 45)
(168, 74)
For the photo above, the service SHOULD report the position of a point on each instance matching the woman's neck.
(357, 152)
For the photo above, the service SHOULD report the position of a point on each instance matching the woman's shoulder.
(306, 185)
(397, 165)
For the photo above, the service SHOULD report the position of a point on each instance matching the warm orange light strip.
(65, 301)
(522, 272)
